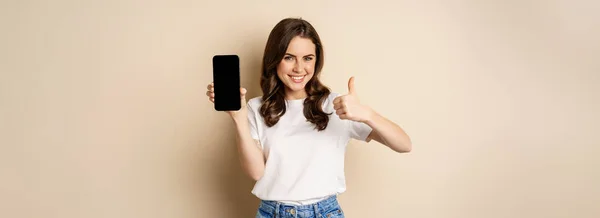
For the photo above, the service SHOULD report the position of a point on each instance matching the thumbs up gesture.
(348, 107)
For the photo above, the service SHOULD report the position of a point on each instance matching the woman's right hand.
(240, 114)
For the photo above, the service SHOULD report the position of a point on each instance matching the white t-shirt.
(303, 165)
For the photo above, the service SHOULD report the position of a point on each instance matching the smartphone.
(226, 79)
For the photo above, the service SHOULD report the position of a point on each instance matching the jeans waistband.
(326, 204)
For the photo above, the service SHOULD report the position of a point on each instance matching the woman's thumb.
(243, 95)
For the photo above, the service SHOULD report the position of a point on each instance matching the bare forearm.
(250, 154)
(389, 133)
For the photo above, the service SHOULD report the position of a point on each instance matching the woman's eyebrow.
(295, 55)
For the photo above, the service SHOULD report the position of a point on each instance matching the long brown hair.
(273, 106)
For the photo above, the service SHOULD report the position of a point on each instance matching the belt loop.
(277, 209)
(316, 205)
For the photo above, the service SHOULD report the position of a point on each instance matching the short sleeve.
(252, 116)
(359, 130)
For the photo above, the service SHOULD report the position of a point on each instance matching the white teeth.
(297, 77)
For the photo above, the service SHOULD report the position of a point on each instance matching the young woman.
(293, 138)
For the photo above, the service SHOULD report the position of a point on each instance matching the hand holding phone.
(225, 91)
(242, 113)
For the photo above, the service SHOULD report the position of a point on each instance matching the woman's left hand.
(348, 107)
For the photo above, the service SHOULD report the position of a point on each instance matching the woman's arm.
(249, 150)
(388, 133)
(348, 107)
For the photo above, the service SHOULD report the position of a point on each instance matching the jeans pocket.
(262, 213)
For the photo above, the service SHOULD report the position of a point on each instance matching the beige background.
(103, 109)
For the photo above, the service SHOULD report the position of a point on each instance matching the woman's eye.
(288, 58)
(308, 58)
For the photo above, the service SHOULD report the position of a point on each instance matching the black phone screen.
(226, 79)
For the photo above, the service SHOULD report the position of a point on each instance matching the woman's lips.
(297, 79)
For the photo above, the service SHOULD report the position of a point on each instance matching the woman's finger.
(336, 106)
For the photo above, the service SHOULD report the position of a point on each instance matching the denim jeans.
(328, 208)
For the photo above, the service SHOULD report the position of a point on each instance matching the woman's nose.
(297, 67)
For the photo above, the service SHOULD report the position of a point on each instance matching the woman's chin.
(296, 87)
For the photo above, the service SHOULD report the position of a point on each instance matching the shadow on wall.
(230, 182)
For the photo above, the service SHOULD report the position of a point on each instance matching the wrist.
(371, 117)
(239, 120)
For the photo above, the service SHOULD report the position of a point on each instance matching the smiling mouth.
(297, 79)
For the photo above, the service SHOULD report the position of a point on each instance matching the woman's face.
(297, 66)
